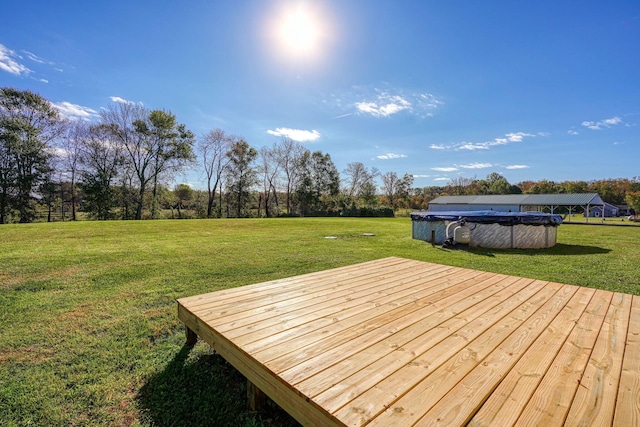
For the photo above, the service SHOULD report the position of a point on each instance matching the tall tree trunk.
(212, 196)
(154, 197)
(140, 202)
(73, 197)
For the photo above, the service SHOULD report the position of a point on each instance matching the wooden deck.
(397, 342)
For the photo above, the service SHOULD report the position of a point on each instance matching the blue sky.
(531, 90)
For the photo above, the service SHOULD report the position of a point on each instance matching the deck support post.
(192, 337)
(255, 397)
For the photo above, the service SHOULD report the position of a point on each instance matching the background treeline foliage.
(125, 166)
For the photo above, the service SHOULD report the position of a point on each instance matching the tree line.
(122, 167)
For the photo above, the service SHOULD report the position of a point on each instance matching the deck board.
(403, 342)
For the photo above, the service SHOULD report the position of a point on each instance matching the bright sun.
(299, 32)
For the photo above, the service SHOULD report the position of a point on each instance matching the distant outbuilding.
(584, 202)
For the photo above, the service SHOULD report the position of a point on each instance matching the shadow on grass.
(205, 391)
(562, 249)
(558, 249)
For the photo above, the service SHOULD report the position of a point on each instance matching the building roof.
(577, 199)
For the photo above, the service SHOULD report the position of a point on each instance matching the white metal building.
(518, 203)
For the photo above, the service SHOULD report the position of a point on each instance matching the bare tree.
(120, 118)
(396, 189)
(390, 183)
(269, 168)
(359, 180)
(289, 155)
(71, 144)
(213, 147)
(458, 186)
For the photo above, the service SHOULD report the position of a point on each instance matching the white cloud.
(471, 146)
(516, 167)
(606, 123)
(446, 169)
(120, 100)
(36, 58)
(573, 132)
(385, 106)
(299, 135)
(74, 111)
(518, 136)
(391, 156)
(386, 103)
(441, 179)
(415, 175)
(9, 64)
(476, 166)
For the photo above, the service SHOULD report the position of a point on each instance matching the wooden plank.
(514, 332)
(507, 402)
(223, 297)
(191, 337)
(594, 402)
(267, 293)
(550, 403)
(515, 362)
(335, 387)
(327, 353)
(436, 368)
(311, 332)
(628, 402)
(289, 313)
(255, 397)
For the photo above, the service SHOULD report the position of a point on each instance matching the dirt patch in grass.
(30, 354)
(9, 281)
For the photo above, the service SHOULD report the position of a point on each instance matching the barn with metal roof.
(579, 202)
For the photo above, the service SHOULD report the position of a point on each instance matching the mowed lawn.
(88, 326)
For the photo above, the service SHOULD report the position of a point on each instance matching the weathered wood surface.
(402, 342)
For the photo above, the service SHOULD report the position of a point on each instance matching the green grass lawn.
(88, 326)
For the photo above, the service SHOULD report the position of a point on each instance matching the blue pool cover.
(491, 217)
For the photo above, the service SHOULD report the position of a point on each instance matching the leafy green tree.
(183, 195)
(319, 184)
(28, 125)
(368, 194)
(404, 189)
(498, 184)
(100, 162)
(633, 200)
(543, 187)
(173, 144)
(153, 144)
(241, 175)
(574, 187)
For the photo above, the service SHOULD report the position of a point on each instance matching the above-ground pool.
(489, 229)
